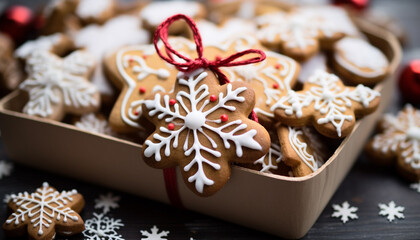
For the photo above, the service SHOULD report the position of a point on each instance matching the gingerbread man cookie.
(326, 104)
(202, 127)
(58, 86)
(42, 214)
(399, 141)
(57, 43)
(139, 72)
(359, 62)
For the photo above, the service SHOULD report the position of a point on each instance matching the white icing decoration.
(301, 149)
(156, 12)
(355, 53)
(102, 40)
(100, 227)
(196, 94)
(308, 68)
(329, 98)
(52, 79)
(263, 71)
(90, 122)
(43, 43)
(391, 211)
(5, 169)
(401, 133)
(154, 234)
(42, 207)
(93, 8)
(107, 202)
(274, 155)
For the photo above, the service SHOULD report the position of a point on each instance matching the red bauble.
(17, 22)
(409, 82)
(356, 4)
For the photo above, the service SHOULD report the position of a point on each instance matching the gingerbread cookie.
(302, 32)
(57, 86)
(94, 122)
(303, 149)
(202, 127)
(155, 13)
(139, 72)
(57, 43)
(359, 62)
(326, 104)
(118, 32)
(399, 142)
(94, 11)
(42, 214)
(58, 16)
(10, 73)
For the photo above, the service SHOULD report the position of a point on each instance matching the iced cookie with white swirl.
(156, 12)
(203, 127)
(139, 72)
(398, 142)
(357, 61)
(56, 86)
(326, 104)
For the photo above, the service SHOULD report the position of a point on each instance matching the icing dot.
(224, 117)
(144, 57)
(276, 85)
(136, 113)
(327, 95)
(218, 58)
(172, 102)
(130, 60)
(277, 66)
(213, 98)
(194, 120)
(171, 126)
(142, 90)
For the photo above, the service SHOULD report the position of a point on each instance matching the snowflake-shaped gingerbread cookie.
(58, 86)
(399, 141)
(327, 104)
(43, 213)
(140, 73)
(202, 127)
(57, 43)
(101, 227)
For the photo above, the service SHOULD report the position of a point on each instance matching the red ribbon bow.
(200, 62)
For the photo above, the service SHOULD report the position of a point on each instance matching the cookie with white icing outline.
(139, 72)
(203, 127)
(57, 43)
(94, 11)
(56, 86)
(10, 73)
(327, 104)
(155, 13)
(357, 61)
(398, 142)
(42, 214)
(303, 149)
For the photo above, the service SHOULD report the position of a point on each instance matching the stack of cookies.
(97, 61)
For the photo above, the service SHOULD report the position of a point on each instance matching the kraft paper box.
(280, 205)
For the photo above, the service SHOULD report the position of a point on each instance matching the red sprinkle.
(277, 66)
(144, 56)
(213, 98)
(224, 117)
(276, 85)
(171, 126)
(142, 90)
(136, 113)
(172, 102)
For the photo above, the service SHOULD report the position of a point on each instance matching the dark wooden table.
(365, 186)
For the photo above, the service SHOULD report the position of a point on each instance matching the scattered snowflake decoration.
(325, 100)
(107, 202)
(5, 169)
(344, 212)
(42, 209)
(102, 228)
(415, 186)
(54, 83)
(7, 198)
(391, 210)
(209, 118)
(154, 234)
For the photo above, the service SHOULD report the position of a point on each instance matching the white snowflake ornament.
(7, 198)
(391, 211)
(202, 127)
(40, 213)
(327, 104)
(344, 212)
(57, 86)
(154, 234)
(415, 186)
(107, 202)
(102, 228)
(5, 169)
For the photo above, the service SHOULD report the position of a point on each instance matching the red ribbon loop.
(200, 62)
